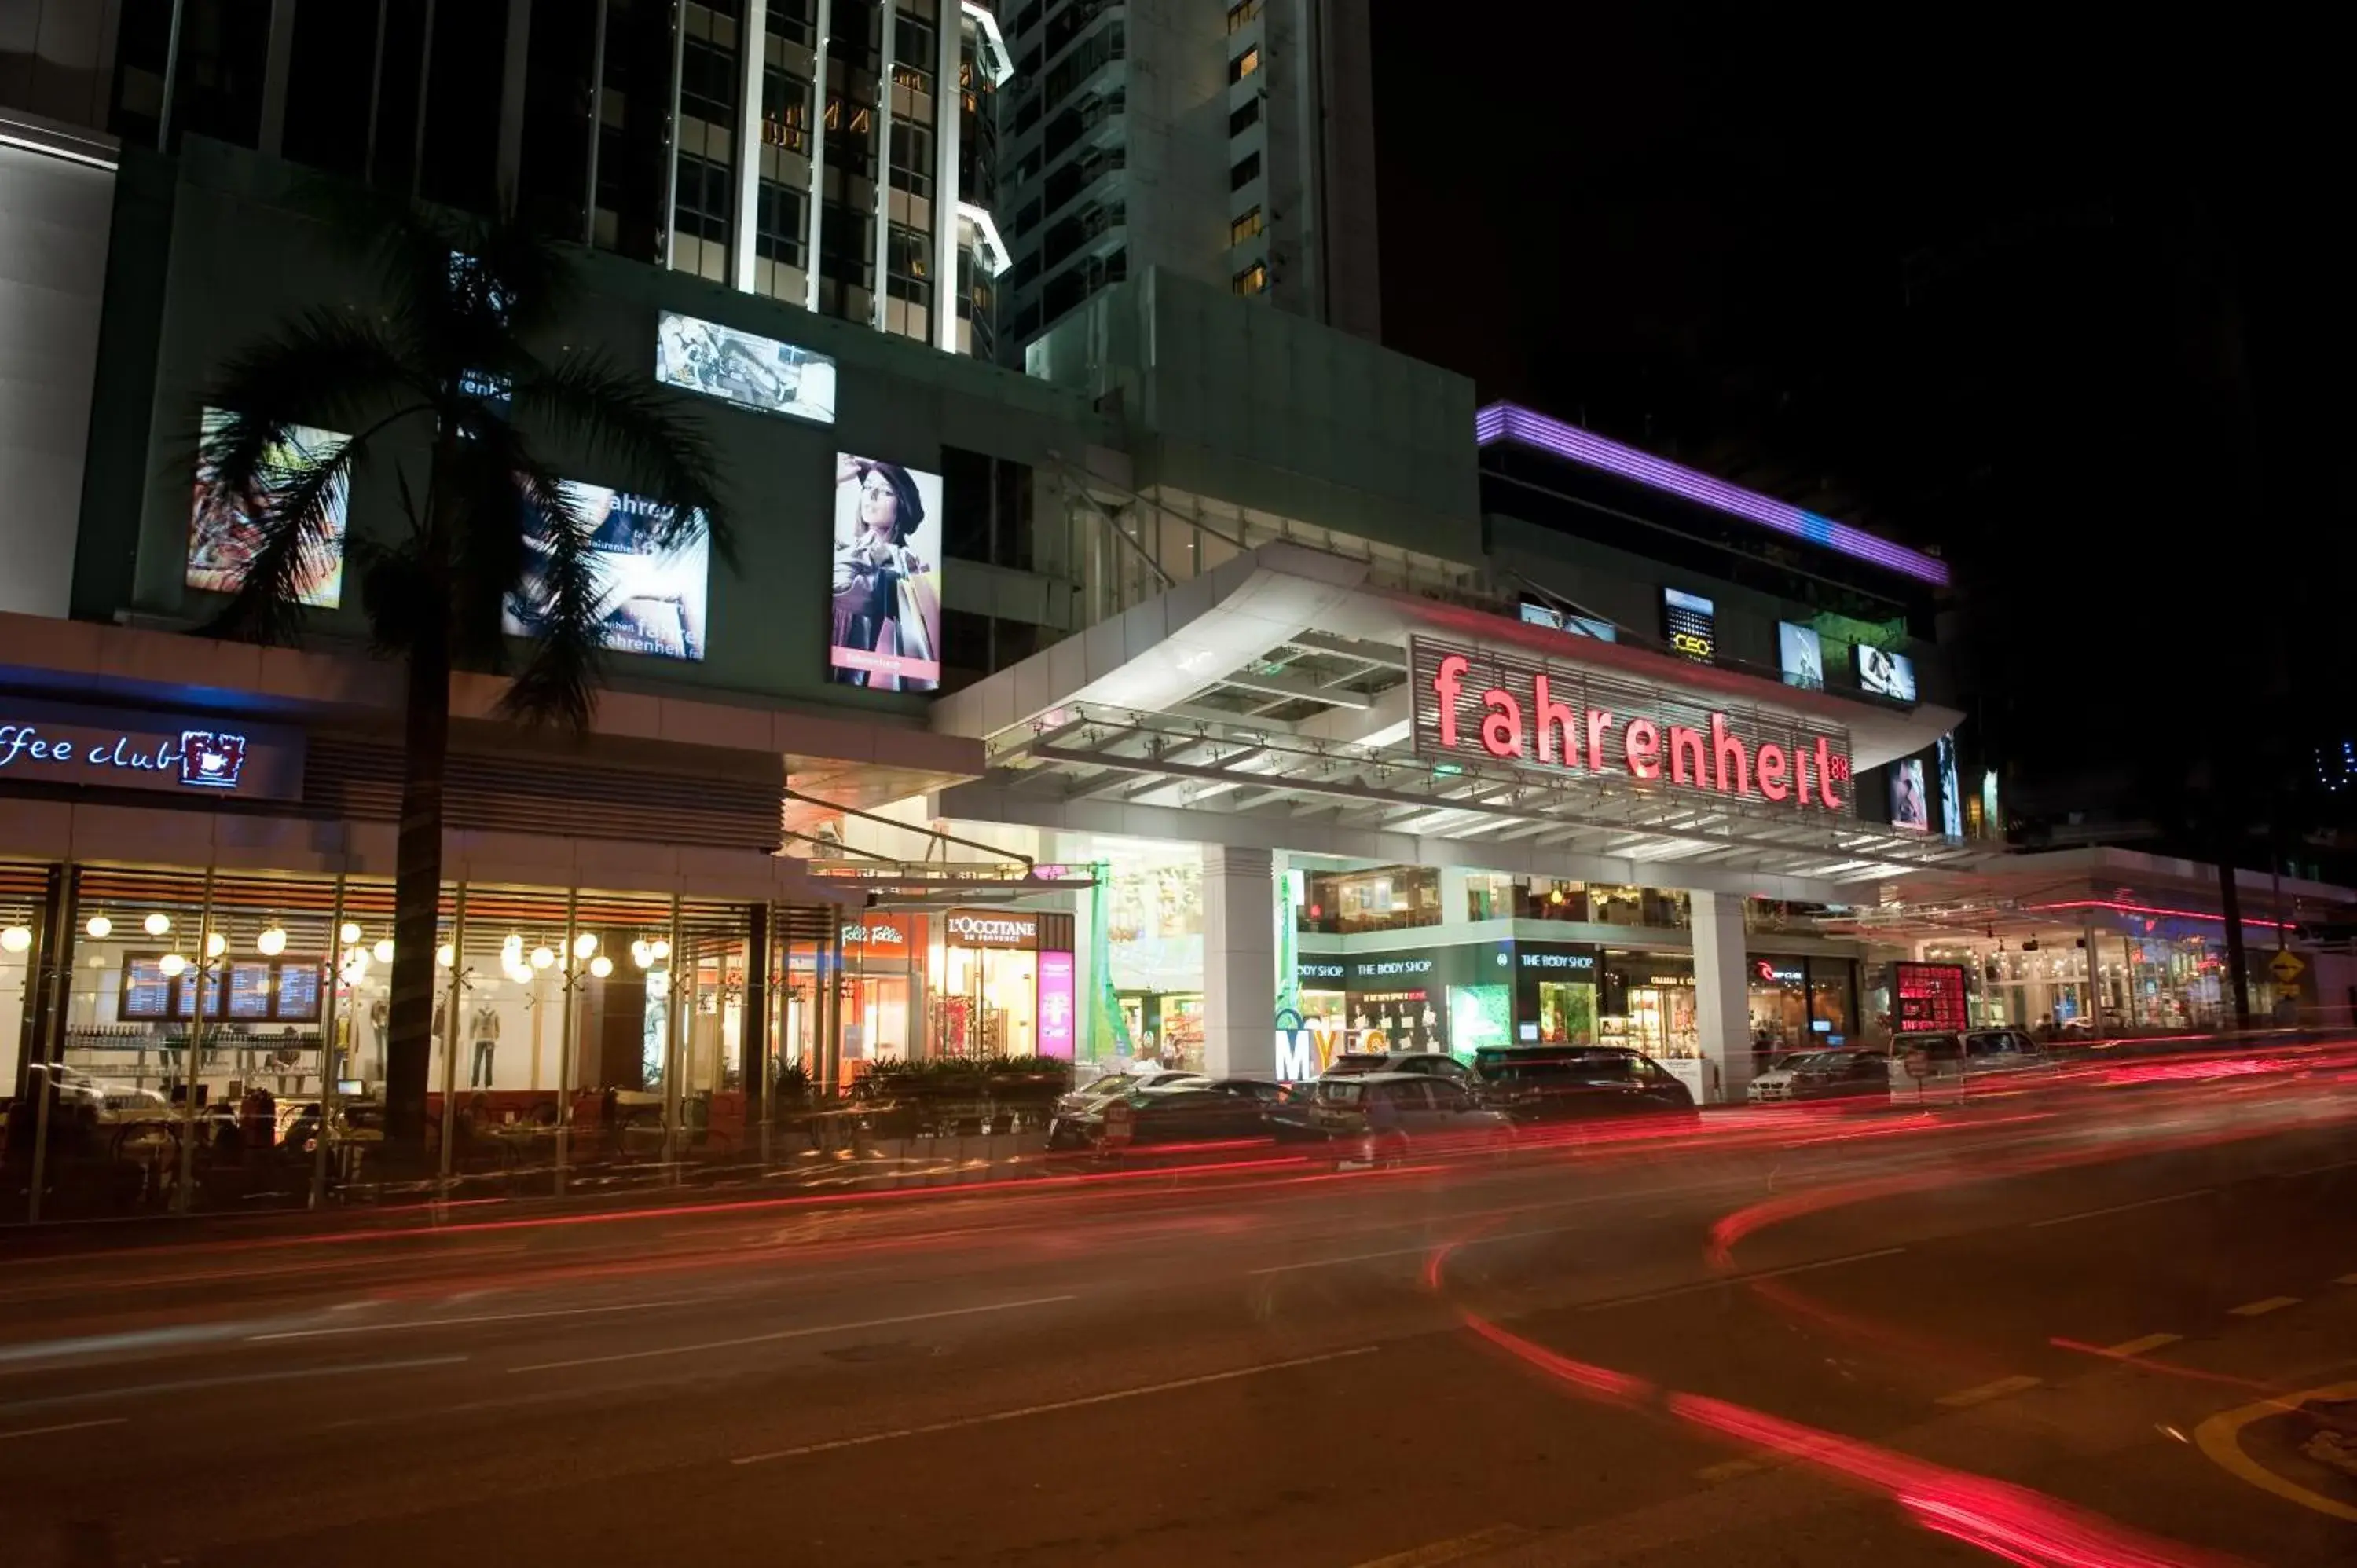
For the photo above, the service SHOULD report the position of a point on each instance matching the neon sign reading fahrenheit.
(1566, 720)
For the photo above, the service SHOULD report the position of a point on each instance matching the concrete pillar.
(1722, 995)
(1239, 963)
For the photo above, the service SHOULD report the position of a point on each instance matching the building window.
(1245, 172)
(1252, 279)
(1244, 64)
(1244, 228)
(1243, 11)
(1243, 119)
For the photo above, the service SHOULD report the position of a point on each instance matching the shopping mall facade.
(1281, 703)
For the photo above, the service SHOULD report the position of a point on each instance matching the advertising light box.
(1690, 622)
(886, 607)
(743, 368)
(1802, 654)
(1908, 807)
(651, 594)
(225, 529)
(1891, 675)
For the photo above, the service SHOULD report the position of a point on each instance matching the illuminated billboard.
(743, 368)
(1690, 622)
(650, 595)
(886, 612)
(225, 531)
(1951, 801)
(1802, 654)
(1908, 807)
(1891, 675)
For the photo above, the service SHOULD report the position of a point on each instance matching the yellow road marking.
(2219, 1438)
(1965, 1398)
(2258, 1308)
(1728, 1469)
(1455, 1549)
(2346, 1280)
(2138, 1347)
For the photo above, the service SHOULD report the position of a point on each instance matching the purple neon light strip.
(1508, 422)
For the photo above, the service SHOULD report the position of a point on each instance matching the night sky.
(2069, 306)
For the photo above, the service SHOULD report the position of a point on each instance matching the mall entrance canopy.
(1281, 702)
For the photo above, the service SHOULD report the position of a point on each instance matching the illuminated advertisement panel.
(743, 368)
(1802, 654)
(1891, 675)
(652, 596)
(1908, 807)
(1951, 795)
(225, 531)
(1690, 622)
(887, 605)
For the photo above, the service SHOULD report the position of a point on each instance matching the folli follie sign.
(1472, 704)
(874, 936)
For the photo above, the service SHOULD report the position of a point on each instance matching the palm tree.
(440, 381)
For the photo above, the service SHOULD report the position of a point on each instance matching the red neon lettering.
(1552, 717)
(1501, 731)
(1826, 776)
(1685, 744)
(1643, 745)
(1721, 744)
(1445, 684)
(1800, 777)
(1599, 721)
(1771, 771)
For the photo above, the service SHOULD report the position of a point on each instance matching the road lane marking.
(2121, 1207)
(791, 1333)
(1738, 1279)
(962, 1422)
(1728, 1469)
(188, 1385)
(2138, 1347)
(1965, 1398)
(1455, 1549)
(69, 1426)
(1418, 1251)
(2221, 1438)
(464, 1321)
(2261, 1308)
(2346, 1280)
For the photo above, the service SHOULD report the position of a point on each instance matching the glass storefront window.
(1566, 1013)
(1648, 1003)
(1388, 898)
(1489, 896)
(1551, 898)
(1832, 1000)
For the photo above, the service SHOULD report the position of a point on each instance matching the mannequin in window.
(486, 1035)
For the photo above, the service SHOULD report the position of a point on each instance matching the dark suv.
(1563, 1083)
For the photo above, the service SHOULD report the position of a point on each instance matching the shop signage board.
(1570, 722)
(1776, 971)
(1929, 996)
(1557, 961)
(875, 935)
(1058, 999)
(992, 929)
(107, 748)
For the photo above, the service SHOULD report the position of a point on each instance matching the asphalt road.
(2074, 1325)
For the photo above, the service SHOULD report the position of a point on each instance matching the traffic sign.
(2286, 966)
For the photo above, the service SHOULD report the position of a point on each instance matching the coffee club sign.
(1563, 720)
(104, 748)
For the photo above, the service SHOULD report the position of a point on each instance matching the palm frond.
(297, 509)
(563, 607)
(323, 368)
(630, 427)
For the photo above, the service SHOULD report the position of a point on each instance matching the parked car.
(1164, 1114)
(1559, 1083)
(1976, 1053)
(1352, 1064)
(1823, 1075)
(1381, 1117)
(1432, 1064)
(1100, 1091)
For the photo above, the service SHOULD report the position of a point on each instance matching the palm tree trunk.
(418, 892)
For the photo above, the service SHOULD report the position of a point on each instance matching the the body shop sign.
(1566, 720)
(105, 749)
(992, 929)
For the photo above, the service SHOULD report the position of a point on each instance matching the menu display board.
(299, 991)
(146, 991)
(285, 991)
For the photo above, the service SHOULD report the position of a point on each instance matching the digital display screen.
(1690, 622)
(1803, 655)
(651, 594)
(1952, 802)
(1563, 621)
(1891, 675)
(743, 368)
(299, 991)
(886, 596)
(249, 990)
(1930, 995)
(225, 529)
(146, 993)
(1908, 807)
